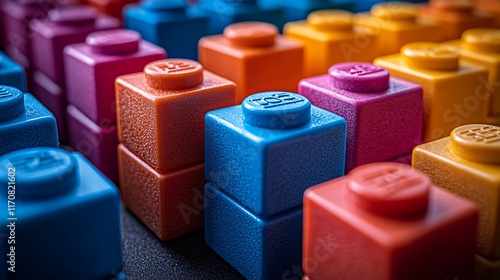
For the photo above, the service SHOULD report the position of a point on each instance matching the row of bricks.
(90, 93)
(472, 152)
(395, 20)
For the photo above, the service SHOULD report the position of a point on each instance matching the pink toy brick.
(92, 67)
(97, 143)
(15, 17)
(383, 114)
(62, 27)
(51, 95)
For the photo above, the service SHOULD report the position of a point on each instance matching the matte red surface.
(344, 239)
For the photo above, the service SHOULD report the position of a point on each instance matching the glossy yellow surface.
(396, 24)
(330, 38)
(477, 181)
(453, 92)
(482, 46)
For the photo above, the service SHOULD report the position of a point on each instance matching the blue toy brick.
(267, 169)
(225, 12)
(299, 10)
(12, 74)
(258, 248)
(168, 25)
(24, 122)
(65, 215)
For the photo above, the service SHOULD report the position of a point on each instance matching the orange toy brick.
(468, 163)
(489, 6)
(112, 8)
(169, 203)
(161, 111)
(387, 221)
(329, 37)
(453, 92)
(482, 46)
(396, 24)
(454, 16)
(255, 57)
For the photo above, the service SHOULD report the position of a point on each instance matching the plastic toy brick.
(396, 24)
(468, 164)
(24, 122)
(112, 8)
(15, 17)
(485, 269)
(482, 46)
(160, 111)
(62, 27)
(404, 159)
(383, 114)
(388, 221)
(11, 74)
(170, 204)
(329, 38)
(453, 92)
(298, 10)
(489, 6)
(168, 25)
(255, 57)
(454, 16)
(258, 248)
(92, 67)
(52, 96)
(225, 12)
(96, 142)
(266, 152)
(64, 208)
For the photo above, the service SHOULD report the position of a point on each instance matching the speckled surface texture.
(380, 125)
(258, 248)
(35, 128)
(268, 170)
(475, 181)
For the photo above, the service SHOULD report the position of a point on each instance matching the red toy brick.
(387, 221)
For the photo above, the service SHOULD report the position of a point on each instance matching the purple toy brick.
(97, 143)
(404, 159)
(92, 67)
(51, 95)
(15, 17)
(62, 27)
(383, 114)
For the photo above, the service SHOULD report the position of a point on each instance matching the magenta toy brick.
(15, 17)
(51, 96)
(97, 143)
(383, 114)
(92, 67)
(63, 26)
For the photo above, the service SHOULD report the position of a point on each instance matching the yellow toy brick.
(396, 24)
(453, 92)
(482, 46)
(468, 164)
(329, 37)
